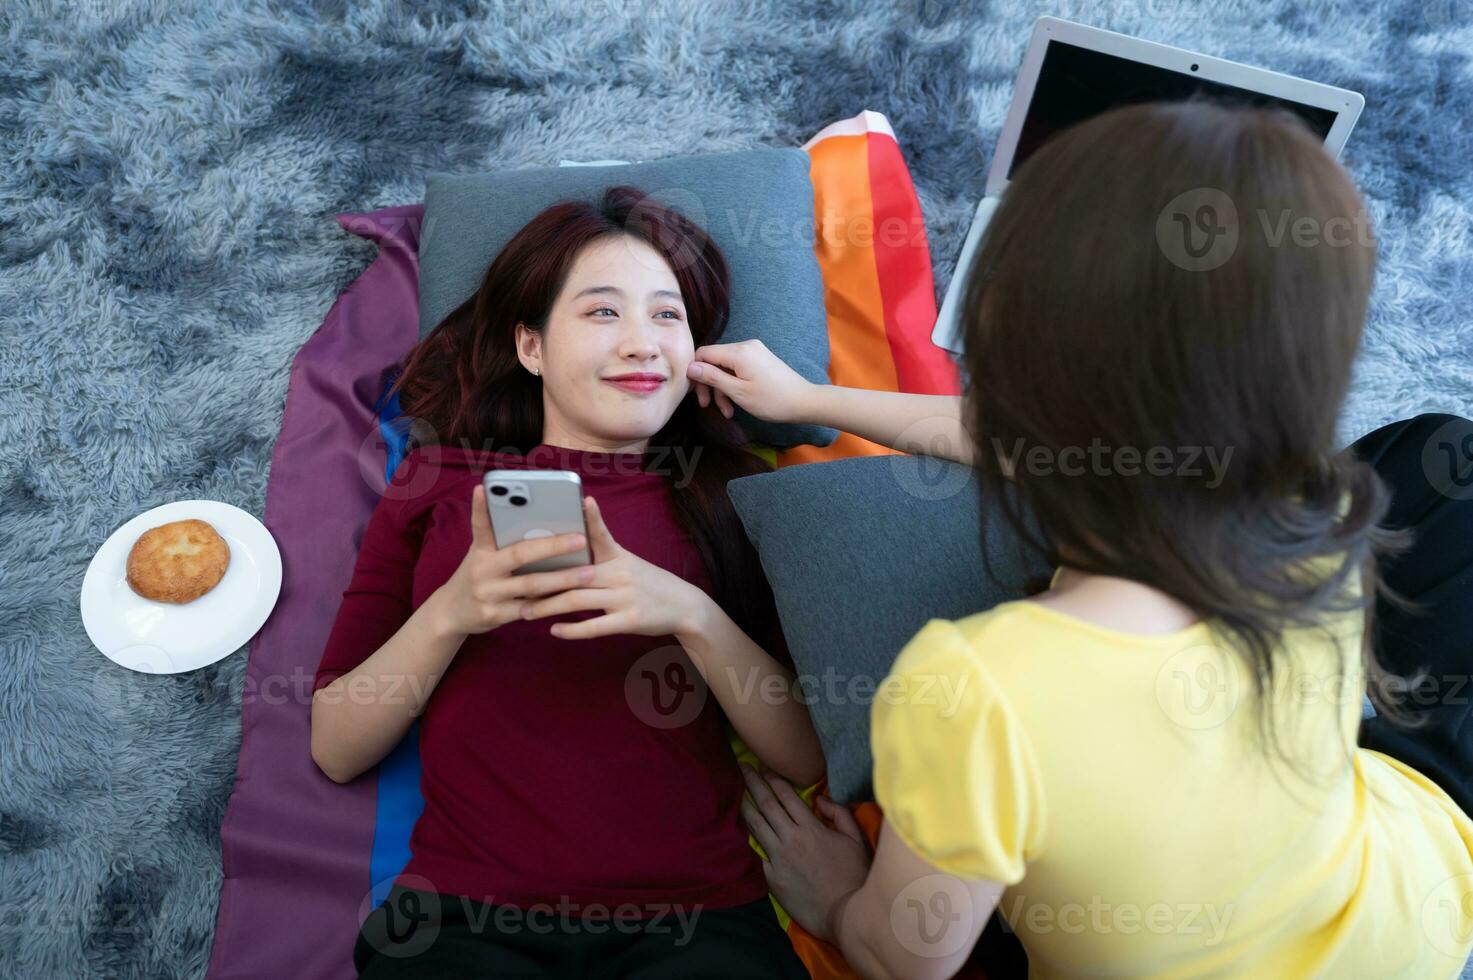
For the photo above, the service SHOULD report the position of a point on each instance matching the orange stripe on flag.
(878, 291)
(859, 350)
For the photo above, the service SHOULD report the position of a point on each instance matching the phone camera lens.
(498, 490)
(1194, 68)
(518, 500)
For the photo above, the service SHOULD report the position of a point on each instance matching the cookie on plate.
(177, 562)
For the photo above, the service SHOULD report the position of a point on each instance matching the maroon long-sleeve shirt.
(548, 770)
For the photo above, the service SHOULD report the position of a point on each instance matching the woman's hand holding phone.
(636, 596)
(748, 374)
(483, 593)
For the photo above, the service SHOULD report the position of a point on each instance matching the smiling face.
(619, 313)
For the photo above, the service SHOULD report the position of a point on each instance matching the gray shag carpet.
(169, 172)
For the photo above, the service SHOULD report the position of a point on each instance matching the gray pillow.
(860, 553)
(756, 204)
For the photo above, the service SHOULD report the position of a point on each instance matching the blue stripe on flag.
(399, 799)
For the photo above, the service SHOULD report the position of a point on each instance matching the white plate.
(168, 638)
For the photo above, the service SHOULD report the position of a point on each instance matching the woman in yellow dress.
(1158, 766)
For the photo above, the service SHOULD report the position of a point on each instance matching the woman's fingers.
(705, 393)
(791, 802)
(715, 375)
(714, 382)
(844, 821)
(528, 550)
(572, 600)
(609, 624)
(481, 532)
(536, 584)
(599, 536)
(758, 825)
(776, 814)
(728, 356)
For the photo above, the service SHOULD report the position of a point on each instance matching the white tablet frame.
(1346, 105)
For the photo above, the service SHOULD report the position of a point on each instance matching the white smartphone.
(527, 504)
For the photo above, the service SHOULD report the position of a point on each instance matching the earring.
(537, 372)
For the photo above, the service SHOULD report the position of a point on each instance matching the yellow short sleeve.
(954, 772)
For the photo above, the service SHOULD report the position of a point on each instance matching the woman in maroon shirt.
(582, 803)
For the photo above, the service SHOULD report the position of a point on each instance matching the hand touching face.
(747, 374)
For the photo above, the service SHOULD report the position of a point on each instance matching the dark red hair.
(464, 384)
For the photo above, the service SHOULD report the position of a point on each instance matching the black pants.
(1427, 462)
(427, 936)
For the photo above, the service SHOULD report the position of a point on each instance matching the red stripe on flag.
(903, 264)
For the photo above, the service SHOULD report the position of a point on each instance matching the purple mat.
(295, 845)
